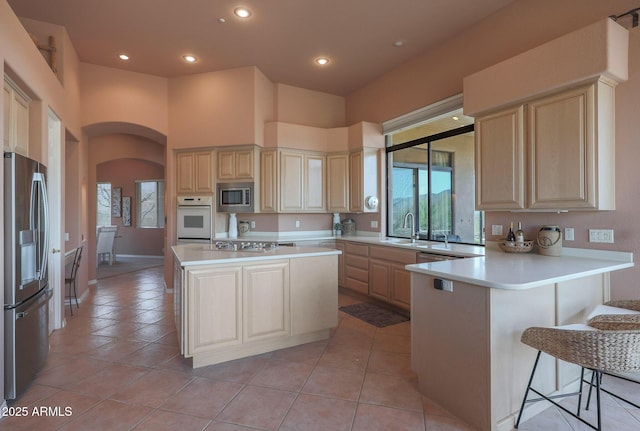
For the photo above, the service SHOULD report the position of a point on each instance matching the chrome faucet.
(446, 240)
(413, 225)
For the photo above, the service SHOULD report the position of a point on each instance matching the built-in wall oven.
(194, 220)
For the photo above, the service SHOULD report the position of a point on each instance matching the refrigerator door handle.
(39, 180)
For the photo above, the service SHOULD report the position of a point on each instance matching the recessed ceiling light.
(455, 118)
(222, 20)
(398, 43)
(242, 12)
(322, 61)
(190, 58)
(123, 57)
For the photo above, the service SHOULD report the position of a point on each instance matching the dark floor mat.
(374, 315)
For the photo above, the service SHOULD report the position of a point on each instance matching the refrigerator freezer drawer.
(26, 343)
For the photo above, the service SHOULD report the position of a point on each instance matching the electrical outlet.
(496, 229)
(601, 235)
(447, 285)
(297, 223)
(568, 234)
(374, 224)
(253, 224)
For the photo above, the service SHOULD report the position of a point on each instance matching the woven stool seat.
(609, 344)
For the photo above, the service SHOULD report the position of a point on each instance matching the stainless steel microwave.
(235, 197)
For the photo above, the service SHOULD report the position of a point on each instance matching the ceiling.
(281, 37)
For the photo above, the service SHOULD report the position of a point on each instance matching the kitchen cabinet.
(294, 181)
(236, 165)
(269, 195)
(16, 118)
(265, 288)
(388, 279)
(567, 142)
(356, 267)
(338, 183)
(214, 301)
(363, 180)
(194, 172)
(227, 311)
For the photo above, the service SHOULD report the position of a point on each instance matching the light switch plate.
(496, 229)
(568, 234)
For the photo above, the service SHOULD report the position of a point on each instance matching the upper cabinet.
(363, 180)
(16, 119)
(338, 183)
(566, 144)
(194, 172)
(293, 181)
(237, 164)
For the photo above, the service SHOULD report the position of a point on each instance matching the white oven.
(194, 219)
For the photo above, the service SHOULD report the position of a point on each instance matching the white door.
(56, 198)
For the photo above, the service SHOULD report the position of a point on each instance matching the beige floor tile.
(239, 371)
(108, 415)
(170, 421)
(335, 382)
(309, 352)
(290, 376)
(396, 364)
(257, 407)
(151, 355)
(391, 391)
(117, 349)
(379, 418)
(203, 397)
(111, 379)
(389, 342)
(341, 356)
(152, 389)
(315, 413)
(223, 426)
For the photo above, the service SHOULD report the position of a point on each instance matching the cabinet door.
(185, 167)
(341, 276)
(244, 165)
(379, 286)
(226, 165)
(291, 182)
(204, 172)
(314, 181)
(266, 301)
(500, 174)
(561, 150)
(269, 181)
(400, 281)
(356, 185)
(338, 183)
(214, 299)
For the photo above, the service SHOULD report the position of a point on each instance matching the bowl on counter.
(512, 247)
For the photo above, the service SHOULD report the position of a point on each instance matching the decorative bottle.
(519, 235)
(511, 236)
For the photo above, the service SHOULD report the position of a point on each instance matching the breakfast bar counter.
(467, 316)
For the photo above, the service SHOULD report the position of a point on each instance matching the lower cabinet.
(266, 301)
(389, 280)
(231, 311)
(214, 301)
(356, 267)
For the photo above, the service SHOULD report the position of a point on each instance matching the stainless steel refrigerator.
(26, 287)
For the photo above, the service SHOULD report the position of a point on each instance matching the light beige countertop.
(518, 271)
(206, 254)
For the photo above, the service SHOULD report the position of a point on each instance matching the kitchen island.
(233, 304)
(467, 316)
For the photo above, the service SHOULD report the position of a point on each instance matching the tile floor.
(116, 366)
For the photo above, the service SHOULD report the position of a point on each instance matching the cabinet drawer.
(357, 261)
(357, 273)
(359, 249)
(358, 286)
(392, 254)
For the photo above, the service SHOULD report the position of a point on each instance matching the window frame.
(160, 210)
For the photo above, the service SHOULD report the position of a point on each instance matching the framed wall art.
(116, 196)
(126, 211)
